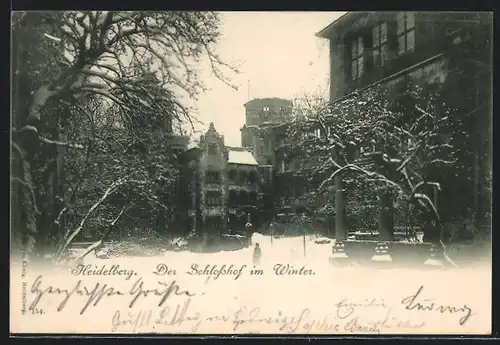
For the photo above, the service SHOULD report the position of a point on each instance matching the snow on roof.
(240, 155)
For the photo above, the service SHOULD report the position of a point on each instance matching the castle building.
(261, 115)
(222, 186)
(261, 134)
(390, 48)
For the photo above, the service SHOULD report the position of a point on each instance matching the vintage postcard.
(292, 173)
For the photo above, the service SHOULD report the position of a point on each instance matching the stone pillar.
(436, 254)
(338, 251)
(385, 227)
(435, 257)
(340, 212)
(386, 217)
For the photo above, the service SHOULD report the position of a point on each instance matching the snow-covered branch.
(59, 143)
(111, 189)
(422, 184)
(408, 160)
(442, 161)
(98, 244)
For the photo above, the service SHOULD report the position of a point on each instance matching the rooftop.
(324, 33)
(348, 21)
(267, 100)
(241, 155)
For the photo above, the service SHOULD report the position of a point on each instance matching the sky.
(277, 54)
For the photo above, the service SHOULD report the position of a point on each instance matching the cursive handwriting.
(141, 318)
(302, 322)
(245, 315)
(416, 302)
(179, 316)
(346, 308)
(138, 290)
(134, 319)
(97, 292)
(94, 295)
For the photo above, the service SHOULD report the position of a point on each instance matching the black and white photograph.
(248, 172)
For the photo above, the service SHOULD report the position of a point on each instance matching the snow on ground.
(324, 299)
(286, 250)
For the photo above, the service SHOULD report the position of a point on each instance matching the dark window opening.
(406, 32)
(212, 150)
(213, 177)
(357, 62)
(380, 45)
(252, 177)
(213, 198)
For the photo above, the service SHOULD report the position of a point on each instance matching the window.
(317, 133)
(213, 177)
(380, 45)
(232, 175)
(265, 109)
(357, 58)
(212, 150)
(241, 176)
(213, 198)
(252, 177)
(406, 32)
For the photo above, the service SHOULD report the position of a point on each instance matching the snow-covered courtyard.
(225, 293)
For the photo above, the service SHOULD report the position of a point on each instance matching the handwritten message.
(241, 298)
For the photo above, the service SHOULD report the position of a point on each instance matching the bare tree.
(100, 54)
(400, 147)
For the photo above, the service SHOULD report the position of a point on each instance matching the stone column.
(385, 227)
(340, 212)
(436, 254)
(386, 217)
(340, 220)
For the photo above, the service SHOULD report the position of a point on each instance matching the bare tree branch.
(112, 188)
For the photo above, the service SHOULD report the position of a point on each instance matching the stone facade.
(261, 114)
(369, 48)
(223, 186)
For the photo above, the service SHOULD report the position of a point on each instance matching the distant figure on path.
(256, 254)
